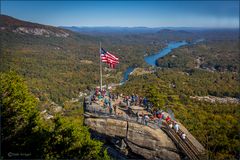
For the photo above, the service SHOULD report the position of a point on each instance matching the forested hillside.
(26, 135)
(209, 68)
(58, 65)
(215, 125)
(212, 55)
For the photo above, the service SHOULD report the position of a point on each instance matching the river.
(152, 59)
(126, 74)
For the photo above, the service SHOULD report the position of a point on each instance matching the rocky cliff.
(142, 140)
(11, 24)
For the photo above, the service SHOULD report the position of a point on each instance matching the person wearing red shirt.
(168, 119)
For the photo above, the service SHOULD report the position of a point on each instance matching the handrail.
(185, 145)
(190, 145)
(181, 144)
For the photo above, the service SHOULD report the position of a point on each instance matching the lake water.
(152, 59)
(126, 74)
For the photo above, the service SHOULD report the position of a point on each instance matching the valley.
(60, 67)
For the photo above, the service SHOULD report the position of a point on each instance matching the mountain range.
(124, 30)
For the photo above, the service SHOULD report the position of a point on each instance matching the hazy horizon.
(159, 27)
(149, 27)
(206, 14)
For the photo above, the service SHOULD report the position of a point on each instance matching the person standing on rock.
(159, 122)
(171, 125)
(163, 116)
(136, 100)
(105, 102)
(110, 106)
(115, 109)
(144, 101)
(168, 119)
(146, 119)
(183, 136)
(143, 118)
(176, 127)
(140, 101)
(159, 115)
(110, 110)
(137, 116)
(109, 95)
(128, 102)
(132, 98)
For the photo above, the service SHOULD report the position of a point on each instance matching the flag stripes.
(109, 58)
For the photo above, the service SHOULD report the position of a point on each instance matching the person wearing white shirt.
(176, 127)
(183, 136)
(146, 119)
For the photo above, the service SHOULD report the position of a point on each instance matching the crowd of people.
(157, 116)
(106, 99)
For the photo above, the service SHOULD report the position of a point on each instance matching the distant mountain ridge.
(124, 29)
(168, 33)
(11, 24)
(111, 29)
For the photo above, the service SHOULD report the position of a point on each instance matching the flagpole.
(100, 68)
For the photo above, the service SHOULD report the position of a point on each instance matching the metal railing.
(184, 144)
(105, 113)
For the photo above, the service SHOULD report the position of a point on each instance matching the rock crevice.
(142, 140)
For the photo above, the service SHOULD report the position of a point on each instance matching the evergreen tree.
(26, 135)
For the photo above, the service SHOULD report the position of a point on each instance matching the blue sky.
(221, 14)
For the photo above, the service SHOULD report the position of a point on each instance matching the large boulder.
(142, 140)
(107, 126)
(153, 143)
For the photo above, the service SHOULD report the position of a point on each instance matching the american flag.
(109, 58)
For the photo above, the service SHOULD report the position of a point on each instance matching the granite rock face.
(142, 140)
(40, 32)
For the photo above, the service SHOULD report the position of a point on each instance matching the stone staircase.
(185, 145)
